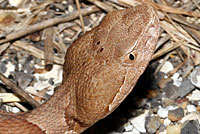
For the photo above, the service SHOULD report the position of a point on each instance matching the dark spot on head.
(98, 43)
(131, 57)
(101, 50)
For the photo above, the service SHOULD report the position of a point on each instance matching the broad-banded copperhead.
(100, 70)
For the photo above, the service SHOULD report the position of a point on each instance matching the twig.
(167, 49)
(47, 23)
(36, 52)
(80, 15)
(48, 48)
(18, 91)
(101, 5)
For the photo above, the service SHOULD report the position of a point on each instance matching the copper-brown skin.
(100, 70)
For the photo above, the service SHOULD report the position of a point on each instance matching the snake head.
(104, 65)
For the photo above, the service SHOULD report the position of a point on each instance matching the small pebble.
(23, 79)
(191, 108)
(167, 122)
(15, 3)
(167, 67)
(174, 129)
(128, 127)
(10, 68)
(152, 124)
(162, 128)
(198, 108)
(185, 87)
(177, 80)
(195, 77)
(176, 114)
(195, 96)
(134, 131)
(171, 91)
(185, 1)
(15, 110)
(191, 116)
(139, 122)
(162, 112)
(190, 127)
(127, 133)
(2, 67)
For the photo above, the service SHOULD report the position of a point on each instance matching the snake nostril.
(98, 43)
(101, 50)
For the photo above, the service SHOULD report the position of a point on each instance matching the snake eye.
(131, 56)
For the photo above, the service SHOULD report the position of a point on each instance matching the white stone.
(139, 122)
(171, 107)
(15, 110)
(167, 67)
(195, 77)
(55, 73)
(191, 108)
(41, 85)
(167, 122)
(195, 95)
(15, 3)
(174, 129)
(30, 90)
(127, 133)
(135, 131)
(191, 116)
(70, 8)
(164, 132)
(128, 127)
(10, 68)
(162, 113)
(177, 80)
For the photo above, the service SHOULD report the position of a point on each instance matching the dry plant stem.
(158, 7)
(196, 4)
(48, 48)
(20, 106)
(4, 47)
(177, 67)
(192, 46)
(101, 5)
(194, 33)
(179, 30)
(47, 23)
(180, 19)
(167, 49)
(162, 41)
(174, 24)
(9, 97)
(35, 51)
(17, 90)
(15, 103)
(170, 9)
(170, 30)
(80, 15)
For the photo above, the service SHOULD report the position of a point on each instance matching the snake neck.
(52, 116)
